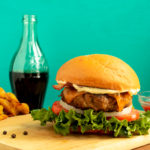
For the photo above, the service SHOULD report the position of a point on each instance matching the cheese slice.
(70, 94)
(99, 90)
(122, 99)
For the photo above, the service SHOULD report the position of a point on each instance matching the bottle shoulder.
(29, 58)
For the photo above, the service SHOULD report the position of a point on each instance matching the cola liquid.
(29, 88)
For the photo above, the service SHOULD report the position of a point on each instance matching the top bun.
(100, 71)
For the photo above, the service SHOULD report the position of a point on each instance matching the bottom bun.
(101, 132)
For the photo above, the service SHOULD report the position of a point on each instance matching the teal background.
(69, 28)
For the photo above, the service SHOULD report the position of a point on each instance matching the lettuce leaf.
(43, 115)
(64, 123)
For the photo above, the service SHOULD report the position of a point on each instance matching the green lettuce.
(64, 123)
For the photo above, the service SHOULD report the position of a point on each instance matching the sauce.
(146, 108)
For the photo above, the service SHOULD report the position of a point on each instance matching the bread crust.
(99, 70)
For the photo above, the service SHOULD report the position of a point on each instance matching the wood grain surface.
(40, 138)
(146, 147)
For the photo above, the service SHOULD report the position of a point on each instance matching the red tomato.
(134, 115)
(56, 107)
(146, 108)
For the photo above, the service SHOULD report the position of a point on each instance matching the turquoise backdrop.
(69, 28)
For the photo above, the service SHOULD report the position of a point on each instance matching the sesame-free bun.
(100, 71)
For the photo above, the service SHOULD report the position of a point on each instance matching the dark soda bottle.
(29, 70)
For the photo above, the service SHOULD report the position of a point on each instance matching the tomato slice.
(134, 115)
(56, 108)
(146, 108)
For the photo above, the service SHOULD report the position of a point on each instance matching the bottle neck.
(29, 32)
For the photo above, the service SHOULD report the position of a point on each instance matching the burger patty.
(98, 102)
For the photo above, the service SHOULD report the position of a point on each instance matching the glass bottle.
(29, 70)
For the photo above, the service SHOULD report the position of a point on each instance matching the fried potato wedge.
(23, 108)
(1, 110)
(10, 105)
(3, 94)
(13, 108)
(12, 97)
(3, 116)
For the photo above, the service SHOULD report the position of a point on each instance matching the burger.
(96, 97)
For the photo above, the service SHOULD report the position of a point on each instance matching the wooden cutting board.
(44, 138)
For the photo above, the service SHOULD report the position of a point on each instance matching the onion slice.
(68, 107)
(125, 111)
